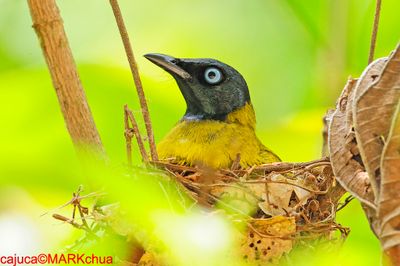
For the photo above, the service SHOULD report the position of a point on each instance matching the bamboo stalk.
(136, 77)
(49, 28)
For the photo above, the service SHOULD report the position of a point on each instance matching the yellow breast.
(217, 143)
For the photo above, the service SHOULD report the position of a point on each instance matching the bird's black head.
(211, 88)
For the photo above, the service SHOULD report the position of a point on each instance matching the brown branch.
(70, 221)
(135, 131)
(128, 136)
(82, 215)
(49, 28)
(374, 31)
(136, 77)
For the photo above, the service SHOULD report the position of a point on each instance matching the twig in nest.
(283, 166)
(321, 228)
(317, 164)
(374, 31)
(129, 132)
(136, 78)
(236, 163)
(317, 192)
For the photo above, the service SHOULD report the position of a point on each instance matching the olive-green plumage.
(219, 122)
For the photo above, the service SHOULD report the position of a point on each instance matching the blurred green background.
(295, 55)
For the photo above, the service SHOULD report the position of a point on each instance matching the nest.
(282, 204)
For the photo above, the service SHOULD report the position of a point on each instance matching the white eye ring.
(212, 75)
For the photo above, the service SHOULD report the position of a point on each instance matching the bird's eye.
(212, 75)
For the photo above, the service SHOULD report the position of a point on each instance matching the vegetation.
(295, 56)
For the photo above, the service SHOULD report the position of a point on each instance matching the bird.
(218, 127)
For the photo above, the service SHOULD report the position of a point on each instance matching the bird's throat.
(244, 115)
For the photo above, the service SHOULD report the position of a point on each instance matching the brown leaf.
(325, 131)
(389, 200)
(371, 74)
(373, 110)
(276, 196)
(268, 239)
(346, 162)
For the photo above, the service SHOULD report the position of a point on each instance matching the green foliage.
(295, 56)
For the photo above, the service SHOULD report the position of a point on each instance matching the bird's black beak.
(169, 64)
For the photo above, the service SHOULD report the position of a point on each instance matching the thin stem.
(135, 73)
(82, 215)
(70, 221)
(136, 133)
(128, 136)
(374, 31)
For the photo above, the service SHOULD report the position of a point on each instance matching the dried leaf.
(325, 132)
(346, 162)
(374, 223)
(268, 239)
(373, 111)
(389, 200)
(301, 194)
(371, 74)
(276, 196)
